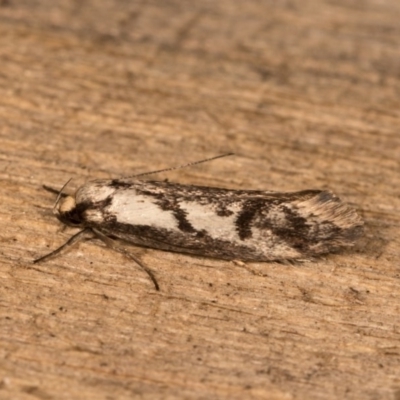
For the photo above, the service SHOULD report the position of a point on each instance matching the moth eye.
(74, 221)
(74, 218)
(71, 218)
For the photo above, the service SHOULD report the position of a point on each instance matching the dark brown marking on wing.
(245, 218)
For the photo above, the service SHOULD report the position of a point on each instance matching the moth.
(245, 225)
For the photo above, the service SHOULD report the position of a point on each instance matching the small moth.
(245, 225)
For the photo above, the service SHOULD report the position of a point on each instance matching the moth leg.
(248, 268)
(115, 246)
(85, 233)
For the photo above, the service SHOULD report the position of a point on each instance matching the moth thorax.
(66, 205)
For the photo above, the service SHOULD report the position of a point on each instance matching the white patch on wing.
(277, 216)
(203, 217)
(133, 209)
(95, 216)
(94, 191)
(270, 245)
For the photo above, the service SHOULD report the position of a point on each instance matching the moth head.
(66, 210)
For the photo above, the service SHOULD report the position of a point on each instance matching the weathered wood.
(306, 93)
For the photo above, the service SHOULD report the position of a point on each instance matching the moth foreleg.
(115, 246)
(248, 268)
(83, 234)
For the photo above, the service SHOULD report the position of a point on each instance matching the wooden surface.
(306, 93)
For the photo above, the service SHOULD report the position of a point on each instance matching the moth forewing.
(222, 223)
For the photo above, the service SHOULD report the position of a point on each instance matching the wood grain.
(305, 93)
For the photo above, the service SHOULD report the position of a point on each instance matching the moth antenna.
(180, 166)
(60, 194)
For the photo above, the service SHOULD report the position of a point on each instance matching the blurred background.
(305, 93)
